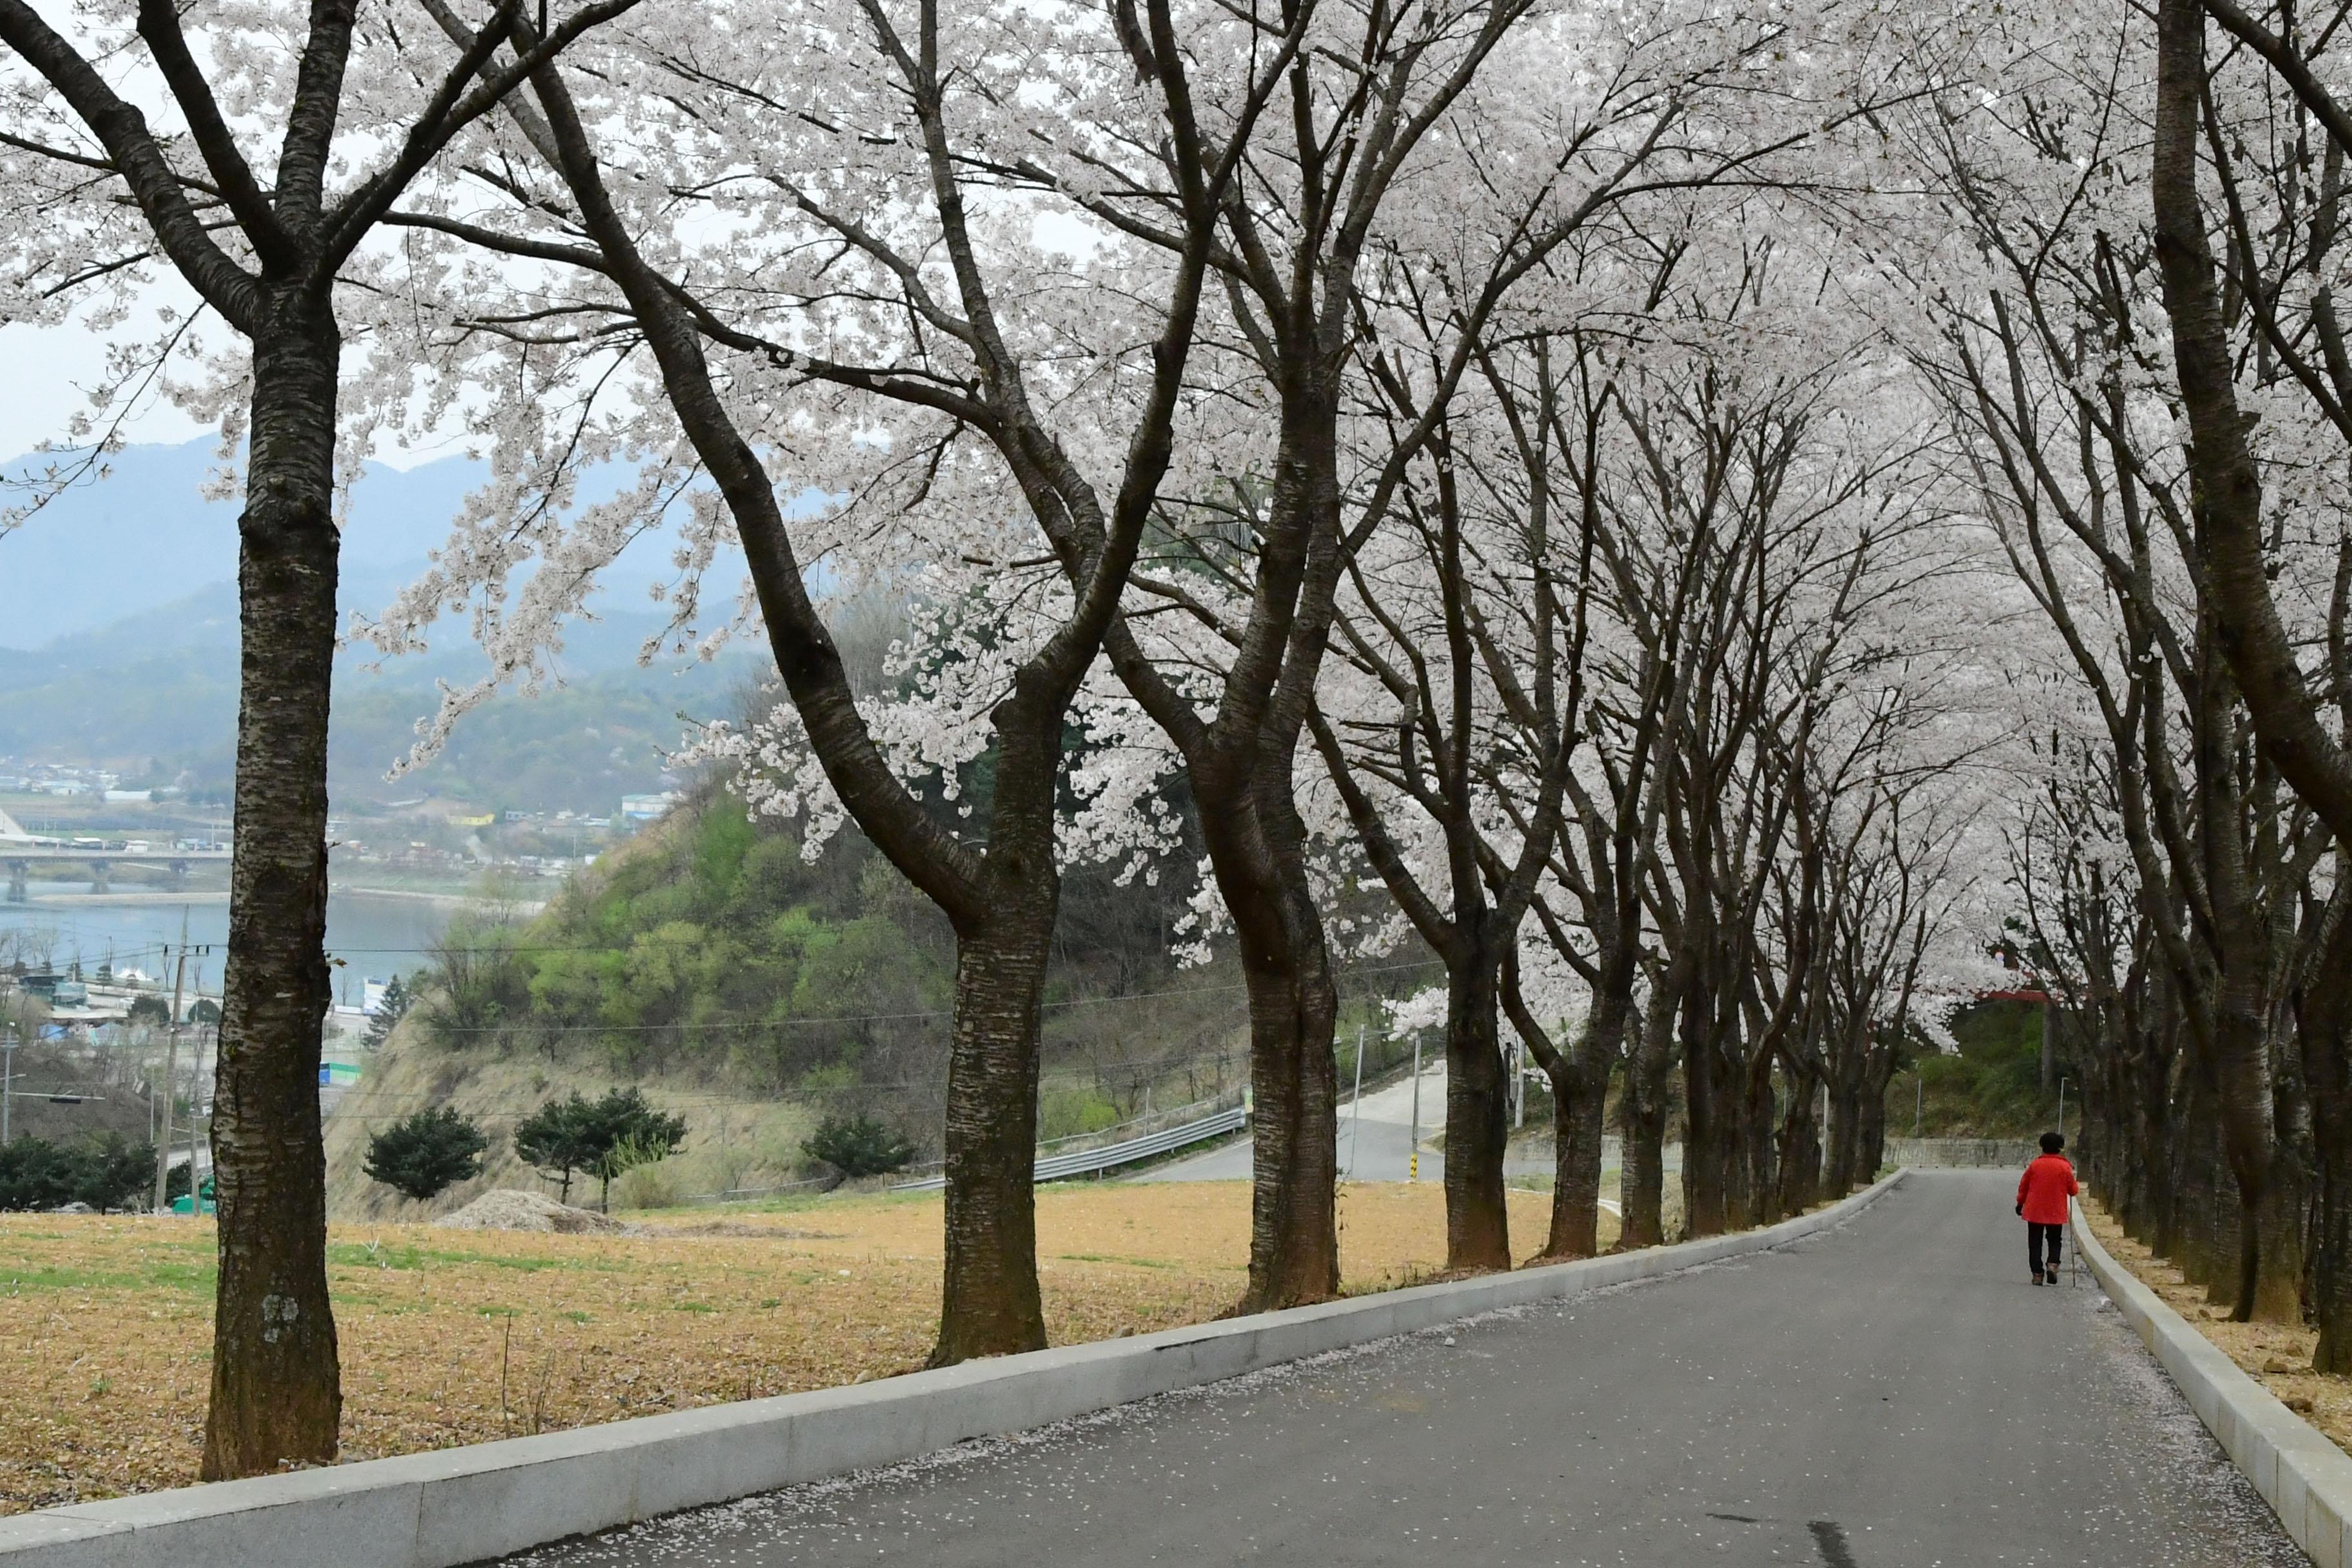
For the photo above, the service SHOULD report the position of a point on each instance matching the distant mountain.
(139, 539)
(154, 694)
(119, 646)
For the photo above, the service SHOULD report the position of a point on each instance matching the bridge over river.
(24, 854)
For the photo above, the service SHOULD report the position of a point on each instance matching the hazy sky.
(50, 370)
(48, 367)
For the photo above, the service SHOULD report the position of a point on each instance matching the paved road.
(1376, 1141)
(1893, 1394)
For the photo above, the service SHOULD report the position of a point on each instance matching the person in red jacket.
(2042, 1195)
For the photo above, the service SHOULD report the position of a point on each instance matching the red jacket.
(2044, 1188)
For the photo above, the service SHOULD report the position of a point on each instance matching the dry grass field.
(2276, 1355)
(456, 1336)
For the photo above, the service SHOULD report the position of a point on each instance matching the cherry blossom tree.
(828, 265)
(260, 192)
(2066, 340)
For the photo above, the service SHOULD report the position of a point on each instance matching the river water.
(376, 935)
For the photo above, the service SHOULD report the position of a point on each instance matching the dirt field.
(452, 1336)
(2276, 1355)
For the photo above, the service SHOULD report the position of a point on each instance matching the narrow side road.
(1892, 1395)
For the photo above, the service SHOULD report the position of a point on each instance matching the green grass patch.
(375, 1255)
(162, 1275)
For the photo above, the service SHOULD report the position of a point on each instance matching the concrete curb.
(2305, 1477)
(455, 1506)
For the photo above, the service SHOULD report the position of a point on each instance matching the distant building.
(647, 808)
(57, 990)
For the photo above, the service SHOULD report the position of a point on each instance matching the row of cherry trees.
(2131, 330)
(1678, 513)
(1349, 412)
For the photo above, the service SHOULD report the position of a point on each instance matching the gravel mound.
(511, 1208)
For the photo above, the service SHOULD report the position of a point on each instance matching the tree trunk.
(1844, 1141)
(2323, 1013)
(1294, 1085)
(2226, 484)
(1477, 1224)
(1799, 1139)
(1759, 1154)
(1872, 1136)
(1579, 1095)
(1870, 1118)
(2250, 1146)
(988, 1302)
(2275, 1227)
(2169, 1159)
(1294, 1214)
(2200, 1244)
(1641, 1181)
(1703, 1144)
(1577, 1123)
(277, 1394)
(2331, 1306)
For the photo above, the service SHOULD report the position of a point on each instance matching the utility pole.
(196, 1093)
(1413, 1160)
(1355, 1106)
(8, 1079)
(1919, 1103)
(1518, 1086)
(171, 1072)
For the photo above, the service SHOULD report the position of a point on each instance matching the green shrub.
(557, 1140)
(108, 1173)
(390, 1009)
(420, 1155)
(600, 1138)
(858, 1146)
(1069, 1112)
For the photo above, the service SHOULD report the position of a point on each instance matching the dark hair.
(2053, 1142)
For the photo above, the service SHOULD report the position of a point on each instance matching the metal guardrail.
(1963, 1154)
(738, 1195)
(1093, 1161)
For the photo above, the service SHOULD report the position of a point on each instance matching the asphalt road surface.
(1892, 1395)
(1376, 1141)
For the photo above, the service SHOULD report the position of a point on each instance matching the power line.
(698, 1026)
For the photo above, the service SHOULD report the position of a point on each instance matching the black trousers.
(2036, 1236)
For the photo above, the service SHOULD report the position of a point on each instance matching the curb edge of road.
(2299, 1472)
(448, 1506)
